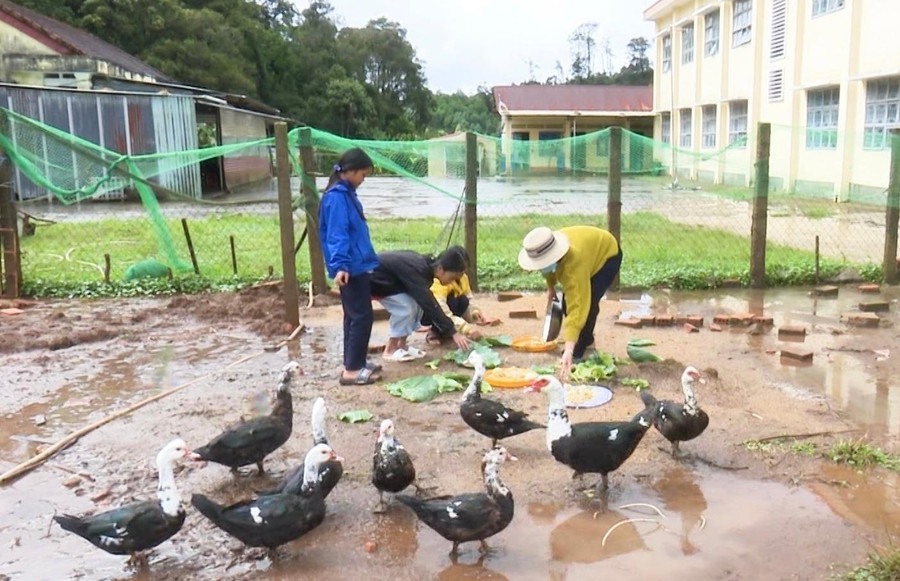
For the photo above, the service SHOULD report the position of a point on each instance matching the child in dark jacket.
(350, 260)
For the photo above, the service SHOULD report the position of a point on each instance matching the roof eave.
(550, 113)
(660, 8)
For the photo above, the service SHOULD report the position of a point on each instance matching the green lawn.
(65, 257)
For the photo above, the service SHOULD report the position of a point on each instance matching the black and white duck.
(469, 517)
(330, 472)
(488, 417)
(249, 442)
(588, 447)
(275, 519)
(679, 422)
(392, 468)
(141, 525)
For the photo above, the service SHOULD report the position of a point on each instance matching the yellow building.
(824, 73)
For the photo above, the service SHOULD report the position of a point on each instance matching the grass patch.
(858, 454)
(65, 259)
(878, 567)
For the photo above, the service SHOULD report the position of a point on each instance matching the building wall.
(845, 48)
(250, 164)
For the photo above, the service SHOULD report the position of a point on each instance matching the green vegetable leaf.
(496, 341)
(422, 388)
(548, 369)
(639, 355)
(491, 358)
(433, 364)
(637, 383)
(637, 342)
(597, 367)
(356, 416)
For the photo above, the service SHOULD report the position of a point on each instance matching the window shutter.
(776, 85)
(779, 26)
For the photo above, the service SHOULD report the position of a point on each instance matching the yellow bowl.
(532, 345)
(510, 377)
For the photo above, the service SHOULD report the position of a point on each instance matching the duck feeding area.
(795, 476)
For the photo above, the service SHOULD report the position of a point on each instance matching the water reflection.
(679, 493)
(579, 539)
(475, 572)
(394, 533)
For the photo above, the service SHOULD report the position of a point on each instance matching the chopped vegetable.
(433, 364)
(548, 369)
(597, 367)
(421, 388)
(637, 383)
(356, 416)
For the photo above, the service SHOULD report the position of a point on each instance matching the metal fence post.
(892, 211)
(286, 225)
(472, 207)
(760, 208)
(311, 206)
(614, 198)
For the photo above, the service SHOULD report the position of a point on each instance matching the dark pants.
(599, 284)
(356, 299)
(458, 306)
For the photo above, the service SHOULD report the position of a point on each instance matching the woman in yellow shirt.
(585, 261)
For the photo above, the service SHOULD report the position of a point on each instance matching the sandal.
(363, 377)
(400, 355)
(373, 366)
(417, 353)
(433, 339)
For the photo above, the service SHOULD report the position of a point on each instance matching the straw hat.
(542, 247)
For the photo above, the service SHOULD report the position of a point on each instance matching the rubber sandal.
(364, 377)
(373, 366)
(400, 355)
(417, 353)
(433, 339)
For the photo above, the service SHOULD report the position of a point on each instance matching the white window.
(737, 123)
(826, 6)
(665, 127)
(741, 22)
(709, 126)
(687, 44)
(822, 118)
(711, 33)
(779, 27)
(667, 53)
(882, 111)
(685, 115)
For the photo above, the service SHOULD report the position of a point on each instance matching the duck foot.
(484, 549)
(273, 554)
(259, 468)
(424, 490)
(381, 507)
(138, 561)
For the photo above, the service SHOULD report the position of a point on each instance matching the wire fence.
(100, 215)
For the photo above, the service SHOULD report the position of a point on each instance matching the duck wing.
(457, 518)
(135, 527)
(246, 443)
(267, 521)
(392, 471)
(677, 425)
(495, 420)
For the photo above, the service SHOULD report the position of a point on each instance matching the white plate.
(601, 396)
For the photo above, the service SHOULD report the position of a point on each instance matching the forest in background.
(357, 82)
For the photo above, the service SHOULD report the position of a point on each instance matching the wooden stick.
(233, 255)
(106, 268)
(798, 436)
(71, 438)
(190, 245)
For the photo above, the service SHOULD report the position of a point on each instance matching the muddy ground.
(729, 512)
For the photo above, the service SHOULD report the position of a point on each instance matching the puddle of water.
(714, 524)
(860, 499)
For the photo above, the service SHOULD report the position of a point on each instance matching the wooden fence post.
(614, 197)
(311, 206)
(760, 208)
(286, 225)
(9, 234)
(472, 207)
(892, 211)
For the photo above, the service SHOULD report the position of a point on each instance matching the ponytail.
(353, 158)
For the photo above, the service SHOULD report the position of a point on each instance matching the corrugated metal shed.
(525, 99)
(125, 123)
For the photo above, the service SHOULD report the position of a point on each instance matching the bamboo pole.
(760, 209)
(311, 206)
(190, 245)
(286, 225)
(471, 219)
(614, 199)
(233, 254)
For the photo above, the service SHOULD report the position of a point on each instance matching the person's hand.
(461, 341)
(474, 334)
(551, 295)
(565, 364)
(341, 278)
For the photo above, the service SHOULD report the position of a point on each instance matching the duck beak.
(513, 458)
(336, 457)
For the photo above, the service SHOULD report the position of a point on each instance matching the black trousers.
(600, 283)
(356, 299)
(458, 306)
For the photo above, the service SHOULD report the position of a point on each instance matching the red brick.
(664, 320)
(507, 296)
(862, 319)
(688, 328)
(874, 306)
(741, 319)
(715, 327)
(869, 288)
(794, 330)
(798, 353)
(721, 319)
(630, 322)
(763, 320)
(695, 320)
(826, 291)
(523, 314)
(647, 320)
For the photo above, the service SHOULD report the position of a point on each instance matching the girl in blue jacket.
(350, 260)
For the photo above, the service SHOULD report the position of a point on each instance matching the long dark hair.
(353, 158)
(454, 259)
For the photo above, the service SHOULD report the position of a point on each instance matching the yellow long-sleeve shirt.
(589, 249)
(457, 288)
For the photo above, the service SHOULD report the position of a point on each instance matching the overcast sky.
(467, 43)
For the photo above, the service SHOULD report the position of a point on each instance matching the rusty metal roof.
(574, 98)
(79, 41)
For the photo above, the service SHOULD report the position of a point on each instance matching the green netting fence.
(685, 217)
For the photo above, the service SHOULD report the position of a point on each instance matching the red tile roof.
(582, 98)
(79, 41)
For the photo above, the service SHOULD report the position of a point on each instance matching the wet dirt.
(727, 512)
